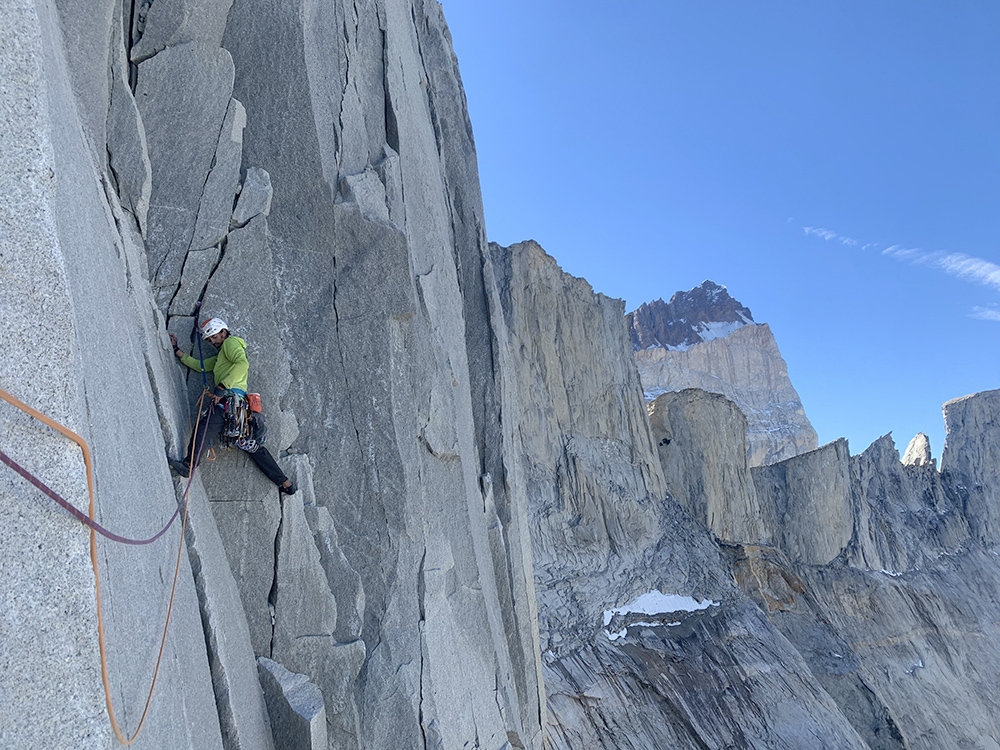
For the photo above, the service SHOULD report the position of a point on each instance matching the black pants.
(210, 429)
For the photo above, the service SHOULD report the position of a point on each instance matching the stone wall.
(969, 460)
(701, 443)
(483, 548)
(607, 537)
(85, 345)
(166, 168)
(806, 504)
(748, 369)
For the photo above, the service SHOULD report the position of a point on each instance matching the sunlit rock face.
(918, 452)
(325, 203)
(806, 501)
(971, 460)
(701, 443)
(705, 339)
(869, 566)
(484, 549)
(632, 588)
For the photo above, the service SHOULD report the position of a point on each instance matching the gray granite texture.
(219, 194)
(386, 395)
(295, 706)
(76, 260)
(47, 581)
(746, 367)
(198, 268)
(183, 94)
(969, 460)
(605, 532)
(126, 134)
(806, 503)
(482, 498)
(906, 516)
(169, 23)
(589, 466)
(701, 443)
(255, 197)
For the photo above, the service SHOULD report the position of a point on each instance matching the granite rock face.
(969, 461)
(183, 95)
(403, 590)
(900, 627)
(591, 474)
(73, 276)
(806, 503)
(632, 591)
(295, 705)
(700, 440)
(907, 515)
(491, 544)
(705, 339)
(918, 452)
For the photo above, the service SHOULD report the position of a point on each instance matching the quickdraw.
(243, 425)
(236, 417)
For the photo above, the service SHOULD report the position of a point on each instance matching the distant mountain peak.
(706, 312)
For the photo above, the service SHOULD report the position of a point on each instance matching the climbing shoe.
(178, 467)
(291, 489)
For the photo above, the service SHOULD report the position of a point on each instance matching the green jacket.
(229, 367)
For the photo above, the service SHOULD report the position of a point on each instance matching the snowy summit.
(704, 313)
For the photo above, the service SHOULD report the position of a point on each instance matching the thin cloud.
(970, 268)
(911, 254)
(829, 234)
(985, 313)
(960, 265)
(826, 234)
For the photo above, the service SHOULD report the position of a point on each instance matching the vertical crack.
(391, 125)
(130, 40)
(421, 590)
(272, 596)
(350, 403)
(223, 702)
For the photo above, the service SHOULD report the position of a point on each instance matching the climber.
(230, 370)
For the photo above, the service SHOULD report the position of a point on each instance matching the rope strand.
(88, 520)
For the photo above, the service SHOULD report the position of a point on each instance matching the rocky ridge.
(494, 544)
(701, 314)
(705, 339)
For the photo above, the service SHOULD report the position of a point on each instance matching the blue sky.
(836, 165)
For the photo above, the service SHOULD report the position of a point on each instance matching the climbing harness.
(95, 528)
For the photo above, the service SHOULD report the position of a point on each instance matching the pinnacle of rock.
(918, 452)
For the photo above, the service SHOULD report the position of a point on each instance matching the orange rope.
(119, 735)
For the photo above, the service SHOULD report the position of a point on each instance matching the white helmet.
(212, 326)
